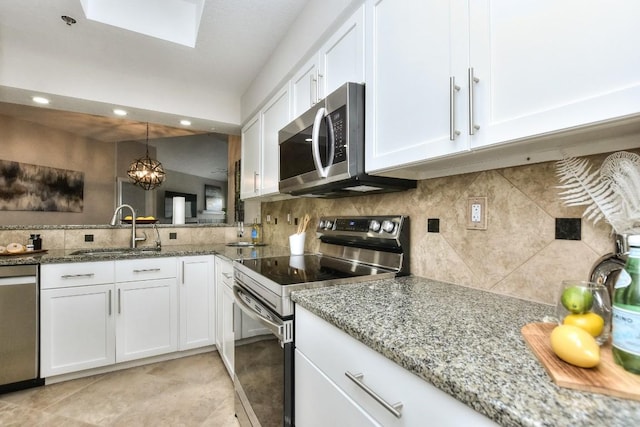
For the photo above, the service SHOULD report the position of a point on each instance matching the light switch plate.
(477, 213)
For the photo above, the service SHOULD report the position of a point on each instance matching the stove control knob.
(321, 224)
(328, 225)
(388, 226)
(374, 225)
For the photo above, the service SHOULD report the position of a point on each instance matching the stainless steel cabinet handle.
(472, 81)
(75, 276)
(109, 302)
(312, 83)
(394, 409)
(255, 182)
(146, 270)
(233, 317)
(318, 86)
(119, 303)
(452, 108)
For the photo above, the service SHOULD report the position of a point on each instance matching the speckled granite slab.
(60, 255)
(467, 343)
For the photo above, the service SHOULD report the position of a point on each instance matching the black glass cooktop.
(296, 269)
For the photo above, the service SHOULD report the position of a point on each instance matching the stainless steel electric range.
(352, 249)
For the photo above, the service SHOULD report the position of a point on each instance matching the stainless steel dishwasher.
(19, 327)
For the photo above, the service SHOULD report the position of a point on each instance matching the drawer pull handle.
(227, 275)
(146, 270)
(394, 409)
(75, 276)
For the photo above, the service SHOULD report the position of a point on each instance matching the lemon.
(590, 322)
(576, 346)
(577, 299)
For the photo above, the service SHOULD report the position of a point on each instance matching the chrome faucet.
(134, 238)
(158, 242)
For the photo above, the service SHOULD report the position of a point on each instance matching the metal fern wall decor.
(611, 193)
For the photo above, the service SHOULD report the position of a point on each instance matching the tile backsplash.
(518, 254)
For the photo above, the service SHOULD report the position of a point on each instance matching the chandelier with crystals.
(146, 172)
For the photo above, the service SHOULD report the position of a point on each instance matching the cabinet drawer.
(76, 274)
(146, 269)
(225, 271)
(392, 383)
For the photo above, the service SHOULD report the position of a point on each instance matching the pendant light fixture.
(146, 172)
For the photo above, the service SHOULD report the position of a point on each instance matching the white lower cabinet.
(197, 301)
(225, 317)
(95, 314)
(324, 393)
(77, 329)
(316, 393)
(147, 319)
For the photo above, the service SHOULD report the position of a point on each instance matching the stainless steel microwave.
(322, 151)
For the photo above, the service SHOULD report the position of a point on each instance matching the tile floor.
(192, 391)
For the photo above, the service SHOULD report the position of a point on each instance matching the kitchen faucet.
(158, 242)
(134, 238)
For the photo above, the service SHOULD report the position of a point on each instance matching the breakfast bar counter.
(467, 343)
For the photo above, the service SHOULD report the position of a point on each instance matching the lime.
(577, 299)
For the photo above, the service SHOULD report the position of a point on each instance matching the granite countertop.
(64, 256)
(466, 342)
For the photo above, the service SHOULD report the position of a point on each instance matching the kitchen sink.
(245, 244)
(115, 251)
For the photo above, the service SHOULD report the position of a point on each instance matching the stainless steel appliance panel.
(19, 327)
(263, 362)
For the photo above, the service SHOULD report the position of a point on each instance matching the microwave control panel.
(340, 128)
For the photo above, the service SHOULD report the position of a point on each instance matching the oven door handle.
(284, 331)
(323, 171)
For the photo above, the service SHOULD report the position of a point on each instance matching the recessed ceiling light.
(119, 112)
(185, 122)
(40, 100)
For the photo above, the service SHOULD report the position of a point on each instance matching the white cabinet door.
(228, 327)
(147, 318)
(319, 402)
(250, 182)
(413, 50)
(275, 115)
(225, 312)
(342, 56)
(550, 65)
(77, 329)
(304, 87)
(197, 302)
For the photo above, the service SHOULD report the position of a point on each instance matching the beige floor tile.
(190, 391)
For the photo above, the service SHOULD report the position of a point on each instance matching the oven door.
(263, 359)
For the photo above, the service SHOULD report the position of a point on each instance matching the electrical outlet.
(477, 213)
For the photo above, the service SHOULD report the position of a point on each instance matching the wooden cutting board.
(606, 378)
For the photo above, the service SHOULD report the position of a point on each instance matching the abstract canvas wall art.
(26, 187)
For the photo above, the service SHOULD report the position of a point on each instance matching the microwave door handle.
(315, 143)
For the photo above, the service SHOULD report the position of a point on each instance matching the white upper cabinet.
(447, 79)
(250, 164)
(341, 58)
(275, 115)
(304, 87)
(415, 60)
(260, 150)
(550, 65)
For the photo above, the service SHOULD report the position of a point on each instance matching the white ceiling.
(235, 39)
